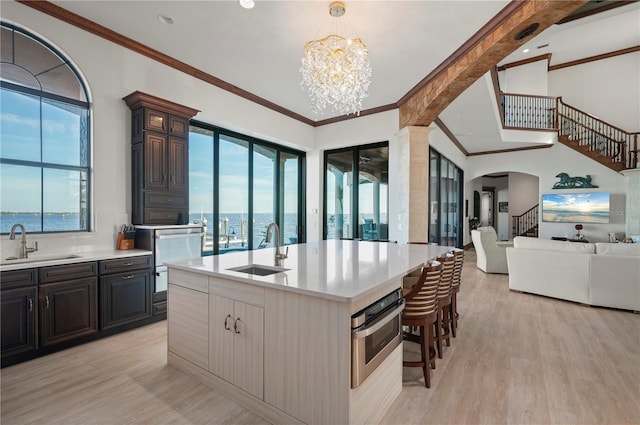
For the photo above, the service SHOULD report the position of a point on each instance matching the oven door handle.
(378, 324)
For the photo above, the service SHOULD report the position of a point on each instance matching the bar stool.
(420, 311)
(444, 302)
(455, 287)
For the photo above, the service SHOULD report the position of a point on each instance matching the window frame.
(355, 191)
(87, 169)
(252, 141)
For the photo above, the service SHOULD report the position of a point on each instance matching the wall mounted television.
(589, 207)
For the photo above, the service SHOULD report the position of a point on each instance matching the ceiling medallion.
(335, 70)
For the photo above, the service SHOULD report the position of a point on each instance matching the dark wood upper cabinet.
(160, 159)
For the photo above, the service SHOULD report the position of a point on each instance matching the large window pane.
(65, 200)
(373, 166)
(64, 134)
(44, 143)
(201, 200)
(339, 180)
(20, 190)
(20, 126)
(289, 174)
(445, 215)
(234, 193)
(264, 181)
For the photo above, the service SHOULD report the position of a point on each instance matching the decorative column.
(413, 179)
(632, 216)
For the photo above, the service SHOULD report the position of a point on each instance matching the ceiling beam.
(492, 43)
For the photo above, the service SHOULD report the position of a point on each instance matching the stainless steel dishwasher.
(168, 243)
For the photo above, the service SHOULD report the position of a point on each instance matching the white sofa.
(601, 274)
(491, 254)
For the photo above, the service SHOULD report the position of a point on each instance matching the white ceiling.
(259, 50)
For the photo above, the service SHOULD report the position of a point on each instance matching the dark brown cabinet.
(160, 160)
(125, 291)
(18, 308)
(46, 309)
(68, 302)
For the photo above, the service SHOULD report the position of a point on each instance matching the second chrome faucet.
(279, 256)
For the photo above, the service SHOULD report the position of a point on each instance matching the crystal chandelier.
(335, 71)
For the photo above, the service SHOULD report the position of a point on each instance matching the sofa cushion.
(626, 249)
(551, 245)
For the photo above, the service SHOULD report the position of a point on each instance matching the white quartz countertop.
(333, 269)
(38, 259)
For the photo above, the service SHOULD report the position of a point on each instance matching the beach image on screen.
(576, 208)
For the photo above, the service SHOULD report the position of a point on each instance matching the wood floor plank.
(517, 359)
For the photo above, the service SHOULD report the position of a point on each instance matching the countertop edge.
(83, 258)
(249, 281)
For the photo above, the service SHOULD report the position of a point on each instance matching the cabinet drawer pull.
(129, 276)
(235, 326)
(127, 264)
(226, 326)
(30, 305)
(46, 301)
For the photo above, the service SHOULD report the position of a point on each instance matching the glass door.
(264, 187)
(233, 192)
(290, 203)
(373, 166)
(338, 189)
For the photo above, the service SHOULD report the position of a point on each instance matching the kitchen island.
(280, 344)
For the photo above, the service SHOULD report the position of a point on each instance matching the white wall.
(523, 194)
(608, 89)
(525, 79)
(546, 164)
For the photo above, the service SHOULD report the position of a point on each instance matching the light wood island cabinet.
(280, 345)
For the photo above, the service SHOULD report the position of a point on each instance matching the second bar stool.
(444, 302)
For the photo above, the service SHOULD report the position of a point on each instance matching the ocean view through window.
(239, 184)
(44, 138)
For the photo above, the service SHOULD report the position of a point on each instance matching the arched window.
(44, 137)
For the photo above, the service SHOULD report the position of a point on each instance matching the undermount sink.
(258, 269)
(14, 260)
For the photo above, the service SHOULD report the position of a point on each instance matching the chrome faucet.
(24, 250)
(279, 255)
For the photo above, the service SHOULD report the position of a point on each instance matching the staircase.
(609, 145)
(526, 224)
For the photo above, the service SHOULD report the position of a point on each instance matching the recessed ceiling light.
(165, 19)
(525, 51)
(247, 4)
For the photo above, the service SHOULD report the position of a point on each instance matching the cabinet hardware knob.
(129, 276)
(235, 325)
(30, 305)
(226, 326)
(46, 301)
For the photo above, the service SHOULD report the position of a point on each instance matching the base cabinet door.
(126, 298)
(68, 310)
(221, 337)
(248, 347)
(18, 321)
(188, 331)
(236, 343)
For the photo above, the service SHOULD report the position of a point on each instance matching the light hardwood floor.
(518, 359)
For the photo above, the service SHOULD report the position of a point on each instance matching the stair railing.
(529, 112)
(587, 130)
(526, 224)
